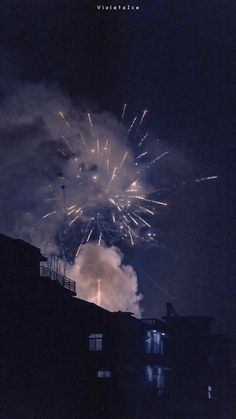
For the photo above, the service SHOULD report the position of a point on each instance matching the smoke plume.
(103, 279)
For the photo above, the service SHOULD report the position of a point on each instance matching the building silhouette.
(65, 358)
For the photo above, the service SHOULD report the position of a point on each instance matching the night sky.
(177, 59)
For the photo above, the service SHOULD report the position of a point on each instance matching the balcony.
(67, 283)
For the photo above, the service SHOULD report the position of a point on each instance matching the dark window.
(104, 373)
(156, 376)
(211, 359)
(95, 342)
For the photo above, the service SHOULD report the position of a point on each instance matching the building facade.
(64, 358)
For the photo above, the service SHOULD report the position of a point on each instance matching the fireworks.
(105, 194)
(103, 184)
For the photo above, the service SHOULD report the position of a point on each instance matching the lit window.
(95, 342)
(156, 376)
(104, 374)
(153, 343)
(209, 392)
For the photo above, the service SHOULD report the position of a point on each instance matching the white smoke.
(102, 278)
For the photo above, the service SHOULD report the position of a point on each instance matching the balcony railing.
(55, 276)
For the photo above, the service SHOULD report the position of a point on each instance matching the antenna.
(61, 235)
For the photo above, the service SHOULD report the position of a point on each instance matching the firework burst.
(105, 194)
(103, 182)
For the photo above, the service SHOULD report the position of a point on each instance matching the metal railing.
(150, 322)
(55, 276)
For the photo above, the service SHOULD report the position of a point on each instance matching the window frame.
(95, 342)
(104, 373)
(154, 342)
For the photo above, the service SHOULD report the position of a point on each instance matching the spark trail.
(123, 113)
